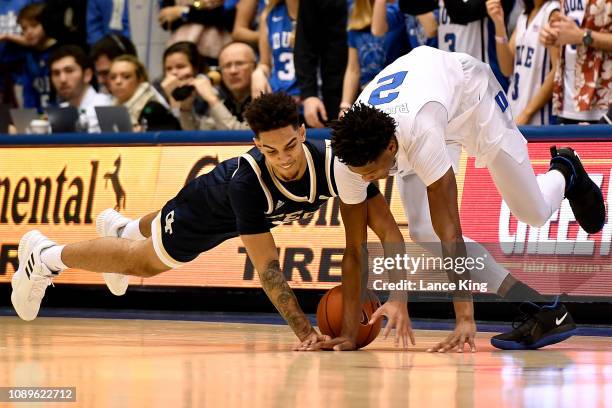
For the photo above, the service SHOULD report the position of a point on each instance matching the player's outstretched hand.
(396, 313)
(336, 344)
(465, 332)
(313, 338)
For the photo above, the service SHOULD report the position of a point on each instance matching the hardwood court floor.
(149, 363)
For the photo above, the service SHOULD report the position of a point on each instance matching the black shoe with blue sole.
(584, 196)
(539, 326)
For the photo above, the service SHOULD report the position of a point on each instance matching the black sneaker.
(538, 327)
(584, 196)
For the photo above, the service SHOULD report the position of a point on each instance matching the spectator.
(37, 92)
(209, 107)
(246, 25)
(421, 21)
(71, 76)
(207, 23)
(106, 17)
(65, 20)
(320, 41)
(276, 71)
(471, 32)
(129, 86)
(104, 52)
(376, 37)
(11, 55)
(526, 61)
(582, 90)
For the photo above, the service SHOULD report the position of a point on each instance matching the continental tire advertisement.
(61, 190)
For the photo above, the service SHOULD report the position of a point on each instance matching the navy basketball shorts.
(179, 232)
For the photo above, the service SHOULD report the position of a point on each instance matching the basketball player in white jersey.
(412, 120)
(526, 61)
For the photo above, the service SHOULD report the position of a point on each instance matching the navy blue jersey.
(241, 196)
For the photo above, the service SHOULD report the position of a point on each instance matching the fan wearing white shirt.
(71, 75)
(412, 120)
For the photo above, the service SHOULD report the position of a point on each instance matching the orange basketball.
(329, 316)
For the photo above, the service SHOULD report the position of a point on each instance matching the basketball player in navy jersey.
(283, 179)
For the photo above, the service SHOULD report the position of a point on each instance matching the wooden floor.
(148, 363)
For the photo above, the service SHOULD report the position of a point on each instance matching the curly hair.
(361, 135)
(271, 111)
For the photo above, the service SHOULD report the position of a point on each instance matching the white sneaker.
(108, 224)
(32, 277)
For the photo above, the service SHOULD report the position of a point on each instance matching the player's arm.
(381, 221)
(429, 158)
(442, 196)
(264, 256)
(249, 205)
(354, 217)
(353, 208)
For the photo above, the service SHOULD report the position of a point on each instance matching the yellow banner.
(61, 190)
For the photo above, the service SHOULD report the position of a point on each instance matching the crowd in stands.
(554, 57)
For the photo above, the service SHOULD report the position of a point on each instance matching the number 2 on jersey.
(388, 83)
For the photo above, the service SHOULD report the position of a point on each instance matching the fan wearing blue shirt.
(376, 37)
(276, 71)
(107, 17)
(37, 91)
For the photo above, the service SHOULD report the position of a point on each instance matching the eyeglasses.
(236, 64)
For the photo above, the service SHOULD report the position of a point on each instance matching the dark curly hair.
(361, 135)
(271, 111)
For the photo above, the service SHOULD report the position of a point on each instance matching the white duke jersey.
(471, 38)
(531, 64)
(477, 114)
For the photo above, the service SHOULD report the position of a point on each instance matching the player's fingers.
(449, 343)
(378, 314)
(472, 344)
(390, 324)
(399, 331)
(344, 346)
(461, 344)
(411, 334)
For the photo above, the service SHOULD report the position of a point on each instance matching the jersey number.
(515, 89)
(288, 72)
(386, 84)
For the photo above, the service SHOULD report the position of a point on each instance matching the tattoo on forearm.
(280, 293)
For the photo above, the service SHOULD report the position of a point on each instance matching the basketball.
(329, 316)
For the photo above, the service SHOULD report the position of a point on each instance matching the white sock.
(52, 258)
(132, 231)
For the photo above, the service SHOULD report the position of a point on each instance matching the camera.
(182, 92)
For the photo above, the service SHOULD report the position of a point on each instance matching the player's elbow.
(351, 261)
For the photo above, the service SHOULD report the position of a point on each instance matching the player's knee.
(534, 217)
(142, 263)
(149, 270)
(537, 219)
